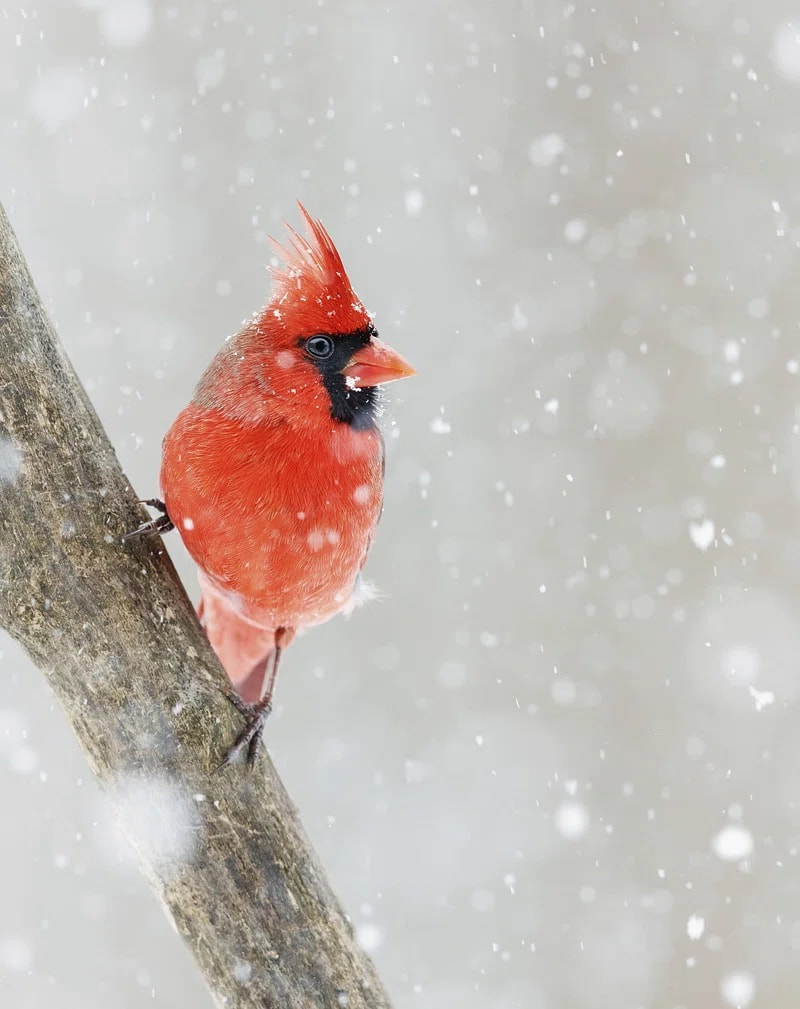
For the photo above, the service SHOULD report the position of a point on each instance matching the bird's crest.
(311, 288)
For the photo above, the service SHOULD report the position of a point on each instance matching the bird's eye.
(320, 347)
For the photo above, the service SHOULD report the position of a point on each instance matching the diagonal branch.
(114, 633)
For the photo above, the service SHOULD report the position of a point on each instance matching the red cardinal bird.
(273, 473)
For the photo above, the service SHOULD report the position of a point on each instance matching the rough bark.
(111, 627)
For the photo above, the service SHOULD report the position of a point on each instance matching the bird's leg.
(256, 714)
(159, 525)
(264, 706)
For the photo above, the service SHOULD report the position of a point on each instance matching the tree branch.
(116, 636)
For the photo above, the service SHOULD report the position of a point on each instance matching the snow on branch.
(111, 627)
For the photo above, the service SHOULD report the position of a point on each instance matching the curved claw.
(159, 525)
(255, 716)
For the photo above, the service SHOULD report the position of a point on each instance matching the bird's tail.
(243, 649)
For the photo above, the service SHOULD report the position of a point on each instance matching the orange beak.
(374, 364)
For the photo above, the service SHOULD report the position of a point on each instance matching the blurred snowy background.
(558, 767)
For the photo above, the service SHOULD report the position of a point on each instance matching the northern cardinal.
(273, 473)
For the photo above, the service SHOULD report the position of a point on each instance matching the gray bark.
(112, 629)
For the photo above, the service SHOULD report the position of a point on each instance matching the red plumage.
(273, 472)
(312, 287)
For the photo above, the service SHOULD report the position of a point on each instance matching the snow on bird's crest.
(313, 280)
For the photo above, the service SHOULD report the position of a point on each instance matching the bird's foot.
(249, 738)
(159, 525)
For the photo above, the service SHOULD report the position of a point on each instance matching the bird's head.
(319, 333)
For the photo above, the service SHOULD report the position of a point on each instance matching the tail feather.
(242, 648)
